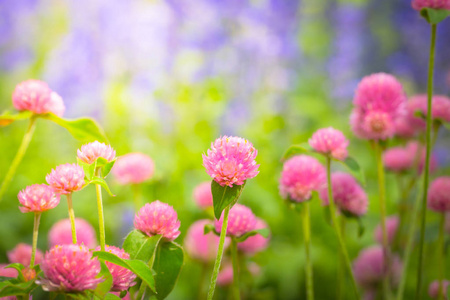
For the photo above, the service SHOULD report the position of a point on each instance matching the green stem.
(338, 231)
(72, 218)
(37, 217)
(427, 163)
(218, 260)
(234, 258)
(19, 155)
(341, 270)
(306, 224)
(101, 221)
(441, 249)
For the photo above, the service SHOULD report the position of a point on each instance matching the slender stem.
(234, 258)
(341, 271)
(19, 155)
(338, 231)
(427, 162)
(101, 221)
(72, 218)
(307, 237)
(441, 249)
(218, 260)
(37, 217)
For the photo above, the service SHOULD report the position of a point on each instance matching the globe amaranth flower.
(240, 221)
(433, 289)
(203, 195)
(22, 254)
(90, 152)
(257, 242)
(69, 268)
(61, 233)
(436, 4)
(202, 246)
(65, 179)
(403, 159)
(330, 141)
(37, 198)
(379, 101)
(133, 168)
(439, 194)
(301, 175)
(158, 218)
(392, 223)
(348, 195)
(122, 277)
(440, 109)
(231, 161)
(7, 272)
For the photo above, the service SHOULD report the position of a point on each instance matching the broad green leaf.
(13, 287)
(83, 129)
(7, 117)
(434, 16)
(264, 232)
(224, 196)
(107, 168)
(19, 268)
(140, 246)
(354, 168)
(296, 149)
(104, 287)
(123, 294)
(167, 265)
(111, 297)
(89, 169)
(102, 182)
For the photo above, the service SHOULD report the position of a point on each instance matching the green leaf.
(138, 267)
(224, 196)
(354, 168)
(102, 182)
(264, 232)
(19, 268)
(83, 129)
(434, 16)
(111, 297)
(89, 169)
(3, 278)
(296, 149)
(167, 264)
(123, 294)
(104, 287)
(107, 168)
(13, 287)
(140, 246)
(210, 228)
(7, 117)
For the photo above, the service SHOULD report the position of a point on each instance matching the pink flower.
(122, 277)
(330, 141)
(7, 272)
(90, 152)
(69, 268)
(231, 161)
(240, 221)
(301, 175)
(403, 159)
(440, 109)
(22, 254)
(225, 276)
(433, 289)
(61, 233)
(56, 104)
(32, 95)
(257, 242)
(403, 125)
(202, 195)
(133, 168)
(392, 223)
(37, 198)
(158, 218)
(202, 246)
(65, 179)
(439, 194)
(436, 4)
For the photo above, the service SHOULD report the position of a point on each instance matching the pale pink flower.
(392, 223)
(37, 198)
(203, 195)
(56, 104)
(158, 218)
(240, 221)
(225, 276)
(440, 109)
(61, 233)
(330, 141)
(439, 194)
(436, 4)
(7, 272)
(404, 127)
(32, 95)
(90, 152)
(22, 254)
(433, 289)
(403, 159)
(133, 168)
(65, 179)
(69, 268)
(231, 161)
(122, 277)
(301, 175)
(257, 242)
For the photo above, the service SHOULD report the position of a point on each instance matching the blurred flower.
(440, 109)
(392, 223)
(61, 233)
(433, 289)
(330, 141)
(257, 242)
(240, 221)
(403, 159)
(439, 194)
(69, 268)
(57, 104)
(7, 272)
(32, 95)
(65, 179)
(22, 254)
(37, 198)
(202, 194)
(436, 4)
(225, 276)
(158, 218)
(133, 168)
(90, 152)
(301, 175)
(231, 161)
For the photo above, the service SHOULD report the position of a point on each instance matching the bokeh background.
(168, 77)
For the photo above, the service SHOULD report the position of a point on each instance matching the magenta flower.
(433, 289)
(61, 233)
(398, 159)
(7, 272)
(231, 161)
(203, 195)
(330, 141)
(403, 125)
(22, 254)
(158, 218)
(122, 277)
(37, 198)
(133, 168)
(69, 268)
(240, 221)
(301, 175)
(65, 179)
(90, 152)
(257, 242)
(439, 194)
(440, 109)
(392, 223)
(436, 4)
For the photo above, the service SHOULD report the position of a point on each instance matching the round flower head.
(257, 242)
(61, 233)
(231, 161)
(65, 179)
(37, 198)
(392, 223)
(398, 159)
(69, 268)
(433, 289)
(347, 194)
(301, 175)
(330, 141)
(90, 152)
(436, 4)
(158, 218)
(133, 168)
(122, 277)
(202, 246)
(32, 95)
(240, 221)
(22, 254)
(439, 194)
(441, 108)
(56, 104)
(7, 272)
(202, 195)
